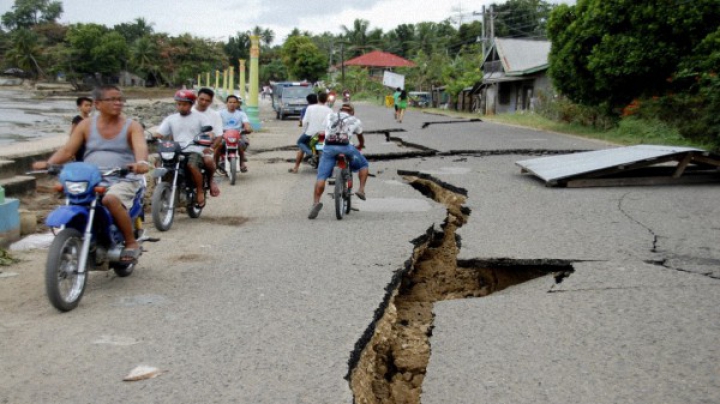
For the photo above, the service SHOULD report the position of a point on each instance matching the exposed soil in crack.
(390, 361)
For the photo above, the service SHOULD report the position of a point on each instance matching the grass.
(630, 131)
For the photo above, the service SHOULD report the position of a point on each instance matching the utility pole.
(342, 58)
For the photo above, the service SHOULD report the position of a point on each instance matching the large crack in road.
(389, 363)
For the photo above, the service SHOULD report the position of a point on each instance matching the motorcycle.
(346, 96)
(232, 143)
(88, 238)
(331, 99)
(175, 182)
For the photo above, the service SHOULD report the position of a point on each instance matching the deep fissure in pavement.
(389, 363)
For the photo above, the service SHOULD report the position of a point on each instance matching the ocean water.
(23, 116)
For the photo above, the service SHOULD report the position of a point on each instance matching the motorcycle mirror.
(206, 128)
(159, 172)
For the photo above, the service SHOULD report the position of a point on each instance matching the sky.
(220, 19)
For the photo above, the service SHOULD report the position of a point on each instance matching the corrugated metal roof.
(555, 168)
(519, 56)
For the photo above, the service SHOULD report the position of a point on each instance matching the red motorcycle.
(232, 143)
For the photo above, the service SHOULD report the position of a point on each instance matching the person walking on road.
(402, 105)
(396, 96)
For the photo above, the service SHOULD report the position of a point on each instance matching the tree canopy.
(611, 51)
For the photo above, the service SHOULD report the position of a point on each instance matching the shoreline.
(146, 106)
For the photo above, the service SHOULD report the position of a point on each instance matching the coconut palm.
(25, 50)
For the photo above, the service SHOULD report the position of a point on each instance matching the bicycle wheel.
(163, 213)
(339, 194)
(347, 181)
(63, 283)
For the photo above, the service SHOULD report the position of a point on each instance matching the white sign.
(393, 80)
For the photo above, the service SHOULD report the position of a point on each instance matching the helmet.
(185, 95)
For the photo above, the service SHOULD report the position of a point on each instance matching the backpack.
(339, 132)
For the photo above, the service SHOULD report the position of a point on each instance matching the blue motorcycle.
(88, 239)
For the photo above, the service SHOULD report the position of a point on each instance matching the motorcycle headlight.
(167, 155)
(76, 188)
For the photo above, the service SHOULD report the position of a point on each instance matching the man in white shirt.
(313, 122)
(183, 126)
(204, 101)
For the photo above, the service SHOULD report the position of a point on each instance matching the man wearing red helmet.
(183, 126)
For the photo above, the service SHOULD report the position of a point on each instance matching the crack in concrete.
(389, 362)
(426, 124)
(664, 263)
(649, 230)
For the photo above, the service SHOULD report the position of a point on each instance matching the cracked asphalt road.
(269, 309)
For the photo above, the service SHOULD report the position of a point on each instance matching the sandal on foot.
(214, 190)
(360, 195)
(243, 169)
(130, 255)
(315, 210)
(292, 171)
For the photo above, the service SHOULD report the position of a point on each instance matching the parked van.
(420, 99)
(289, 98)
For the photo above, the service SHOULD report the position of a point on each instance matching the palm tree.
(25, 50)
(267, 37)
(359, 39)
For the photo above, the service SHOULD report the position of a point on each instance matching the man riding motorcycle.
(183, 126)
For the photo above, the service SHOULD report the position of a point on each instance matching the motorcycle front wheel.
(63, 282)
(163, 213)
(232, 162)
(193, 210)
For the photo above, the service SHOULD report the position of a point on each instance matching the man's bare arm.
(139, 146)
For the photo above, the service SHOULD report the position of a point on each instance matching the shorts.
(195, 160)
(125, 191)
(330, 152)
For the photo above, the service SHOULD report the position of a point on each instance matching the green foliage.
(273, 71)
(27, 13)
(25, 51)
(303, 59)
(96, 49)
(134, 30)
(464, 71)
(238, 47)
(521, 18)
(608, 52)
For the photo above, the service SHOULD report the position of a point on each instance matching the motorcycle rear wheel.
(162, 213)
(63, 283)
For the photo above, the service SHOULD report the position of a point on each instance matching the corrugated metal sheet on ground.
(555, 168)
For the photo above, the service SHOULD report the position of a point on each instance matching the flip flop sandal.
(130, 255)
(243, 169)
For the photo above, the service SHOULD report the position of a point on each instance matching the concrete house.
(514, 74)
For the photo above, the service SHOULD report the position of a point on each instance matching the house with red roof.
(376, 62)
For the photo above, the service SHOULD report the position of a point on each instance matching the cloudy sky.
(220, 19)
